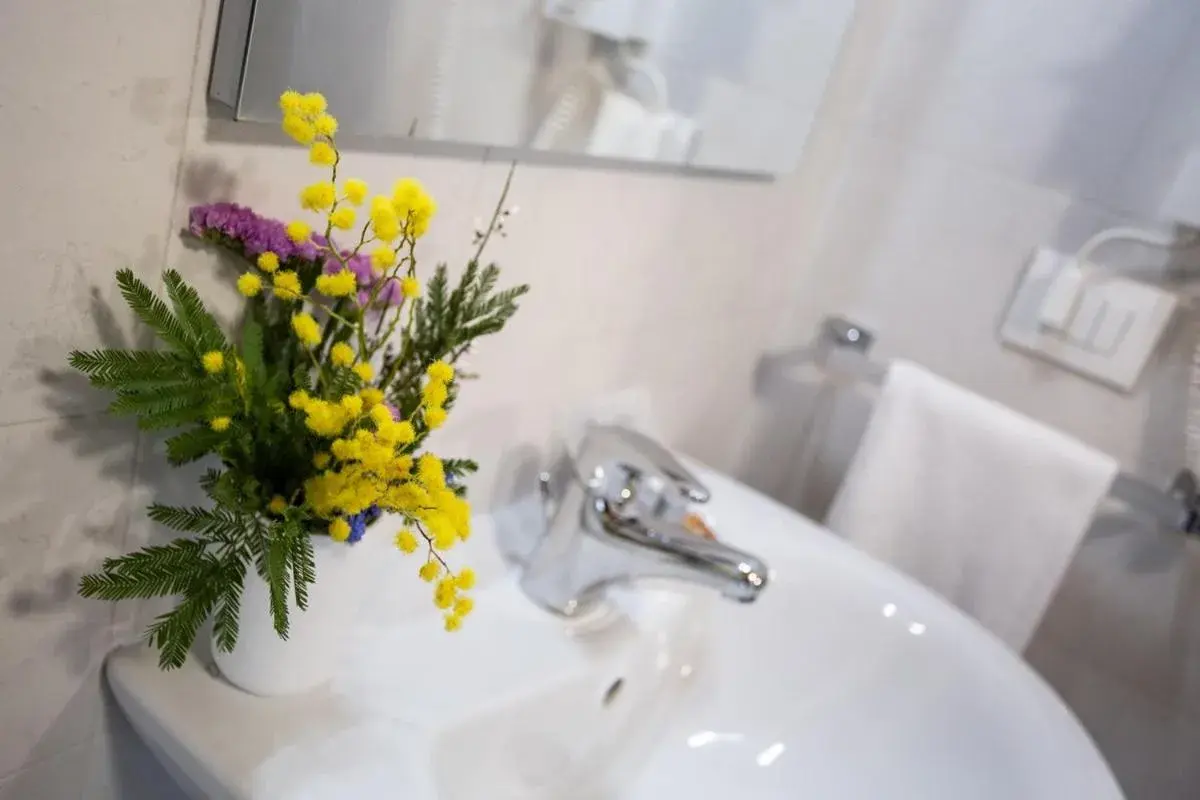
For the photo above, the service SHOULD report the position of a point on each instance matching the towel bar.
(849, 344)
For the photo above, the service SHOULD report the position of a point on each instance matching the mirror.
(715, 84)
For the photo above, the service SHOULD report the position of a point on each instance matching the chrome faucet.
(620, 518)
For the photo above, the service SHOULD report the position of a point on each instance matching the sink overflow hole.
(610, 694)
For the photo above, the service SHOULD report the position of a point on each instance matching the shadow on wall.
(85, 630)
(112, 449)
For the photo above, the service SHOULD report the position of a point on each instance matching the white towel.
(982, 505)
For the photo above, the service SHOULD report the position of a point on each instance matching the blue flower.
(359, 523)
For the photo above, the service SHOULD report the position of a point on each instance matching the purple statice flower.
(256, 234)
(217, 217)
(390, 294)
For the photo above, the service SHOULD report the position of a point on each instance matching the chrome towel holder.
(843, 347)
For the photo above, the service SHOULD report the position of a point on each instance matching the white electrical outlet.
(1101, 326)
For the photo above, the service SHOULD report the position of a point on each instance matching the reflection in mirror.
(713, 84)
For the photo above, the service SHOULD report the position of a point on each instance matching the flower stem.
(496, 213)
(433, 552)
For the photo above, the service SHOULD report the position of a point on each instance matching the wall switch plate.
(1115, 326)
(1060, 306)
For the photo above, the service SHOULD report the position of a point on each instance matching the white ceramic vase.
(263, 664)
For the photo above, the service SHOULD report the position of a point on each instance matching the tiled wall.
(956, 135)
(991, 128)
(92, 101)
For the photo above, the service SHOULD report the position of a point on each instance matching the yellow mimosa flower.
(299, 231)
(213, 361)
(268, 261)
(356, 191)
(339, 530)
(343, 218)
(322, 154)
(306, 329)
(249, 284)
(286, 285)
(341, 354)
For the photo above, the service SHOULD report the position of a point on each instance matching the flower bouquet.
(318, 410)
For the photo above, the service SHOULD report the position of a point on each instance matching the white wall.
(956, 135)
(990, 128)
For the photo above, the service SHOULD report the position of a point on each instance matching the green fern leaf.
(229, 603)
(485, 327)
(304, 567)
(209, 479)
(190, 311)
(153, 571)
(436, 293)
(252, 352)
(487, 281)
(459, 467)
(193, 445)
(460, 297)
(217, 523)
(171, 418)
(131, 369)
(469, 274)
(174, 632)
(504, 299)
(278, 578)
(154, 312)
(230, 490)
(161, 399)
(344, 382)
(300, 376)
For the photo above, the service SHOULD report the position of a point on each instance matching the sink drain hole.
(610, 694)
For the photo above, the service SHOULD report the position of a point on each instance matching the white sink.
(844, 681)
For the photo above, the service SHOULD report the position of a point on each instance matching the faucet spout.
(616, 523)
(669, 550)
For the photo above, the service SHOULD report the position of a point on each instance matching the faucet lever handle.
(641, 455)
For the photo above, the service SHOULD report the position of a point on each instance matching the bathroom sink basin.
(845, 680)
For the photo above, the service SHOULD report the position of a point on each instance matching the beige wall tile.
(153, 480)
(66, 506)
(93, 131)
(63, 777)
(50, 704)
